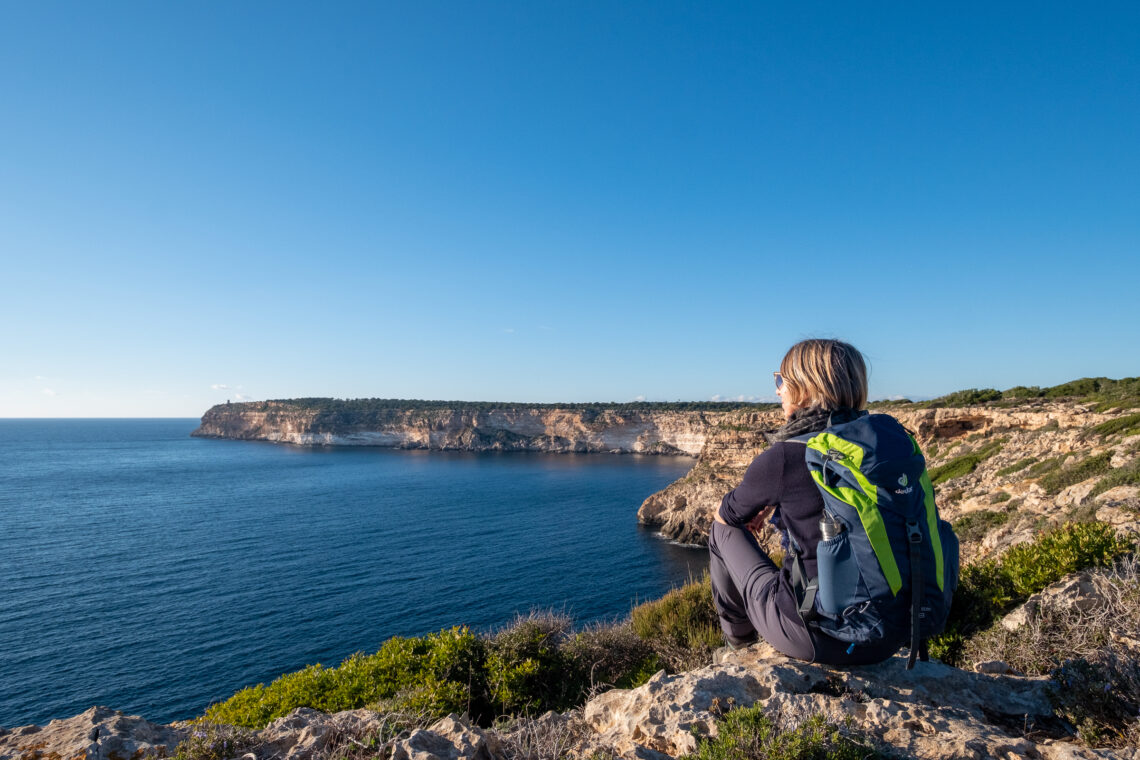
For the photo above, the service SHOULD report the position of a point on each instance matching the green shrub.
(682, 626)
(439, 673)
(966, 463)
(1129, 425)
(1128, 475)
(1020, 464)
(526, 671)
(1058, 480)
(973, 526)
(1000, 497)
(748, 734)
(984, 592)
(1053, 555)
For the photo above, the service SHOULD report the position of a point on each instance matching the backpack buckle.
(913, 534)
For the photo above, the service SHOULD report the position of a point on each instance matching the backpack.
(891, 571)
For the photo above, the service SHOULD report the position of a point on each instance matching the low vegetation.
(1017, 466)
(1123, 426)
(966, 463)
(1128, 475)
(749, 733)
(990, 588)
(1102, 392)
(537, 663)
(1061, 478)
(1097, 683)
(682, 625)
(540, 663)
(973, 526)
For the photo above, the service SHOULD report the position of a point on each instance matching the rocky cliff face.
(468, 429)
(1015, 503)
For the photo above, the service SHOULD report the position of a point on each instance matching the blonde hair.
(825, 373)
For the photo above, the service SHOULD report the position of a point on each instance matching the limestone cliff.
(474, 427)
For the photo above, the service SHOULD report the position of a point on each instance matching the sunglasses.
(779, 380)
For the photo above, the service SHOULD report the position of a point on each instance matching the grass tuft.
(1020, 464)
(966, 463)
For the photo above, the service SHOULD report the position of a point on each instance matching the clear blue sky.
(559, 201)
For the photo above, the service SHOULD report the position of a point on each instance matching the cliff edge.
(619, 428)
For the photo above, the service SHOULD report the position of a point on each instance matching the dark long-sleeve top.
(780, 476)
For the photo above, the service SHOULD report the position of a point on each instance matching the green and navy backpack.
(891, 570)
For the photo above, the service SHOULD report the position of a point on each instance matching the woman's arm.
(760, 488)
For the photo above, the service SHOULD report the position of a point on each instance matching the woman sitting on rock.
(820, 383)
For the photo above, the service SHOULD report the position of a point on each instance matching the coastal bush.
(1074, 546)
(1101, 697)
(1022, 391)
(609, 655)
(211, 741)
(1103, 392)
(526, 670)
(1000, 496)
(1043, 467)
(748, 733)
(1128, 425)
(989, 588)
(1058, 630)
(984, 592)
(966, 463)
(438, 673)
(682, 626)
(531, 666)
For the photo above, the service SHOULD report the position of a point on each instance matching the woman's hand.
(757, 523)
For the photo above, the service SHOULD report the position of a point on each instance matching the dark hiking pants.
(752, 596)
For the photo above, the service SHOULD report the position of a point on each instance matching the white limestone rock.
(97, 734)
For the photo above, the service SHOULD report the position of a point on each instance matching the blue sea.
(157, 573)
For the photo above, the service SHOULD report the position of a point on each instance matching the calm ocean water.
(157, 573)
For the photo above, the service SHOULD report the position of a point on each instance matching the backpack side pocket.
(838, 571)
